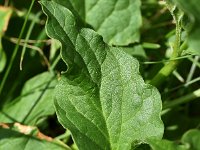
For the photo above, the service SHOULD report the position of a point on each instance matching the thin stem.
(27, 38)
(183, 85)
(64, 137)
(195, 62)
(47, 41)
(52, 67)
(171, 66)
(39, 50)
(178, 76)
(192, 69)
(182, 100)
(6, 3)
(163, 61)
(16, 49)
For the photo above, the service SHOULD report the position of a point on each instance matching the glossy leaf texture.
(101, 98)
(26, 138)
(36, 94)
(192, 9)
(117, 21)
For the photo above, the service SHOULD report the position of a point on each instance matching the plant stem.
(171, 66)
(182, 100)
(16, 49)
(55, 62)
(27, 38)
(65, 137)
(192, 69)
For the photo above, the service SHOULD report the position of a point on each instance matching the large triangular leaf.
(102, 98)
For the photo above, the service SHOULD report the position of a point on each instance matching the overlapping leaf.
(101, 98)
(36, 101)
(192, 138)
(189, 141)
(21, 137)
(166, 145)
(116, 20)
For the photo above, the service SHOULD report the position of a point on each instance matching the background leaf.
(2, 59)
(165, 145)
(103, 16)
(35, 101)
(193, 11)
(189, 141)
(27, 138)
(102, 98)
(5, 14)
(192, 137)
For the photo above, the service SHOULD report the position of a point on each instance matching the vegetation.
(99, 75)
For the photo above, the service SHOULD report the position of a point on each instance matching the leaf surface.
(192, 137)
(36, 101)
(101, 98)
(117, 21)
(165, 145)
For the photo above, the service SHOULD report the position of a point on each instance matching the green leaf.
(165, 145)
(5, 14)
(117, 21)
(193, 11)
(192, 137)
(101, 99)
(189, 141)
(35, 101)
(2, 58)
(12, 139)
(55, 45)
(136, 51)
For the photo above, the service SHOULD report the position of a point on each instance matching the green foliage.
(166, 145)
(192, 138)
(189, 141)
(192, 9)
(103, 16)
(5, 14)
(102, 88)
(37, 93)
(12, 139)
(99, 75)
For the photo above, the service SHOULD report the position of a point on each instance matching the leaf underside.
(101, 99)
